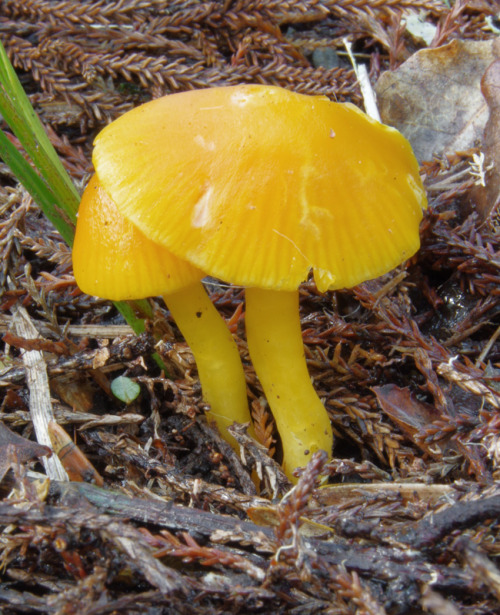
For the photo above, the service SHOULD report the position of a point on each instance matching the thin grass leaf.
(36, 186)
(17, 111)
(128, 313)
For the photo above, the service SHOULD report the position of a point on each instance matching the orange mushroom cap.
(114, 260)
(257, 185)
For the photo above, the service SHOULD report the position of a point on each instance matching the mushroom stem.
(216, 355)
(277, 352)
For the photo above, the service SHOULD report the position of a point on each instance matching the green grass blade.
(36, 186)
(17, 111)
(128, 313)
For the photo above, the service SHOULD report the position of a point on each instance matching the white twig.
(477, 169)
(38, 385)
(367, 92)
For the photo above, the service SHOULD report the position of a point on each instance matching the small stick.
(488, 347)
(38, 384)
(364, 84)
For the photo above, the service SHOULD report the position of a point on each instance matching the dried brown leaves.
(101, 58)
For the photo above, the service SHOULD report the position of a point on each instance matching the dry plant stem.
(277, 352)
(39, 401)
(217, 358)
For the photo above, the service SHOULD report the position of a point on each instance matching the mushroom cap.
(256, 185)
(112, 259)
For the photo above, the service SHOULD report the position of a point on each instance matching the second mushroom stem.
(277, 352)
(219, 365)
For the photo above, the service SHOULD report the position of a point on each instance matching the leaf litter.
(408, 365)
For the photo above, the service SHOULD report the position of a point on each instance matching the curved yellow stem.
(216, 355)
(277, 353)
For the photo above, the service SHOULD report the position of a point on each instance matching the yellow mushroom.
(258, 186)
(114, 260)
